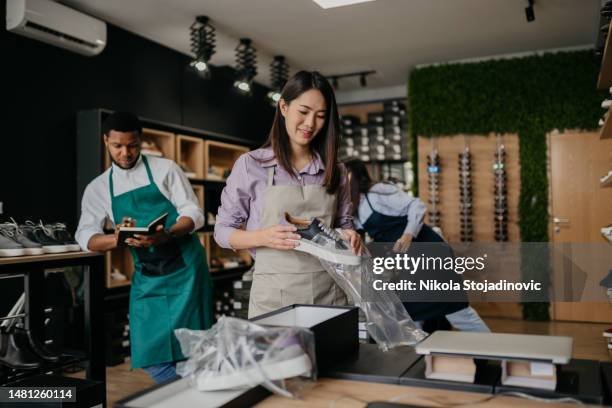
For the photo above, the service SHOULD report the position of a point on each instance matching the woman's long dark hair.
(325, 143)
(360, 181)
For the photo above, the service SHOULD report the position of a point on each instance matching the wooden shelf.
(199, 192)
(190, 156)
(121, 259)
(215, 251)
(606, 129)
(607, 183)
(605, 72)
(220, 157)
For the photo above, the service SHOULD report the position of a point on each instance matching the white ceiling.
(389, 36)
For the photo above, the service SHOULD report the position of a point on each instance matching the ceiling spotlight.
(246, 65)
(363, 76)
(279, 73)
(202, 35)
(529, 13)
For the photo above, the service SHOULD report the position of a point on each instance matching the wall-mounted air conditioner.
(56, 24)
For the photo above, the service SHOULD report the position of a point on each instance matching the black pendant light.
(246, 66)
(279, 73)
(203, 40)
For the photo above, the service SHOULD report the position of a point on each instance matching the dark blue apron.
(388, 229)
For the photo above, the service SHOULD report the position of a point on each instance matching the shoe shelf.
(605, 72)
(607, 182)
(222, 260)
(118, 260)
(606, 129)
(219, 158)
(190, 156)
(199, 192)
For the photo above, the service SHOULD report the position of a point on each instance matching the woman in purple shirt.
(295, 172)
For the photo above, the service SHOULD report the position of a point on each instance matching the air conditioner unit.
(56, 24)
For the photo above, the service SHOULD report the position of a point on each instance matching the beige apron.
(282, 278)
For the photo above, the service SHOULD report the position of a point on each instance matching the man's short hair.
(122, 122)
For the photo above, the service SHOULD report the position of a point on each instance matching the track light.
(361, 74)
(529, 13)
(202, 35)
(246, 66)
(279, 73)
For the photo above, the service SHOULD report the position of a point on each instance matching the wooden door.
(582, 208)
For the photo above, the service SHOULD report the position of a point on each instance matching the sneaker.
(149, 148)
(30, 247)
(608, 332)
(61, 234)
(323, 242)
(118, 276)
(187, 170)
(211, 219)
(253, 364)
(8, 246)
(607, 233)
(42, 235)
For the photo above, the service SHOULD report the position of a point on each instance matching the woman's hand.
(354, 239)
(278, 237)
(401, 245)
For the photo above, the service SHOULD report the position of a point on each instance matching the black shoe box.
(606, 381)
(336, 337)
(488, 374)
(375, 118)
(579, 379)
(375, 365)
(349, 121)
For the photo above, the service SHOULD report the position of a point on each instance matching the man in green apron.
(171, 287)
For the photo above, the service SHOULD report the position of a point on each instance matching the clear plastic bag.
(387, 321)
(236, 353)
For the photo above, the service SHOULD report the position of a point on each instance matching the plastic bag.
(387, 321)
(236, 353)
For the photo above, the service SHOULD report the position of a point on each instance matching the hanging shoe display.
(433, 179)
(500, 193)
(465, 195)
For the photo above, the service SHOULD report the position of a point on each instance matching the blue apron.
(388, 229)
(171, 286)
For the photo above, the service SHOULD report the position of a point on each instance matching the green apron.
(171, 286)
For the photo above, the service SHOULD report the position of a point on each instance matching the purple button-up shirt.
(242, 199)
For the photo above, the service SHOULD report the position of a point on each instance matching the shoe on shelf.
(187, 170)
(608, 333)
(61, 234)
(607, 233)
(30, 247)
(253, 364)
(118, 276)
(149, 148)
(323, 242)
(8, 246)
(15, 352)
(211, 219)
(41, 234)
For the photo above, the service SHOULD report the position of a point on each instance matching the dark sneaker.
(42, 235)
(323, 242)
(30, 247)
(8, 246)
(61, 234)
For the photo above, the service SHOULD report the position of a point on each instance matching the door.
(580, 207)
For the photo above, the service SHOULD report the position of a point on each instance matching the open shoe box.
(335, 329)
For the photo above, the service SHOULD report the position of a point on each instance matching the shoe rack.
(119, 260)
(222, 259)
(219, 158)
(190, 156)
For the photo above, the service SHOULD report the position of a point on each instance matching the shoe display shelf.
(32, 269)
(219, 158)
(224, 263)
(199, 192)
(190, 156)
(605, 72)
(118, 267)
(606, 129)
